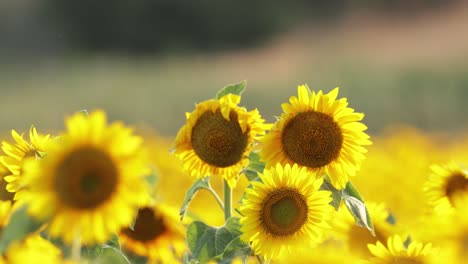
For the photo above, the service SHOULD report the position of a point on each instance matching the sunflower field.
(311, 187)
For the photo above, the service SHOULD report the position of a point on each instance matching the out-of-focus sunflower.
(284, 211)
(397, 252)
(157, 235)
(450, 233)
(325, 253)
(4, 194)
(446, 183)
(16, 153)
(357, 238)
(318, 132)
(33, 249)
(5, 212)
(217, 138)
(91, 182)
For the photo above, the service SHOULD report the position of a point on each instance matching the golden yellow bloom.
(217, 138)
(91, 182)
(4, 194)
(450, 232)
(357, 238)
(397, 252)
(318, 132)
(284, 211)
(157, 235)
(34, 249)
(17, 152)
(5, 212)
(446, 184)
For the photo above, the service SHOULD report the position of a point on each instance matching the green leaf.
(208, 243)
(233, 225)
(336, 194)
(111, 255)
(250, 174)
(190, 194)
(153, 178)
(356, 207)
(114, 242)
(391, 219)
(91, 252)
(236, 88)
(19, 226)
(235, 249)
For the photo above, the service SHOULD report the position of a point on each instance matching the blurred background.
(146, 62)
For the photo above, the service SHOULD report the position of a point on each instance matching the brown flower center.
(312, 139)
(457, 184)
(284, 211)
(217, 141)
(86, 178)
(147, 227)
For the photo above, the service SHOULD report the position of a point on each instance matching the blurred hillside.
(403, 62)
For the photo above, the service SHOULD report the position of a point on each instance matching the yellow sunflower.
(450, 232)
(446, 183)
(33, 249)
(91, 182)
(19, 151)
(5, 212)
(4, 194)
(357, 238)
(217, 138)
(318, 132)
(157, 235)
(284, 211)
(397, 252)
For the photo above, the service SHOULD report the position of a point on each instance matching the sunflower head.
(91, 182)
(157, 234)
(318, 132)
(446, 186)
(356, 238)
(19, 151)
(33, 249)
(283, 210)
(451, 232)
(217, 138)
(397, 252)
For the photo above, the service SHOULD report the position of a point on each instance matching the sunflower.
(318, 132)
(450, 231)
(4, 194)
(91, 182)
(446, 183)
(157, 235)
(397, 252)
(217, 137)
(5, 212)
(284, 211)
(19, 151)
(33, 249)
(357, 238)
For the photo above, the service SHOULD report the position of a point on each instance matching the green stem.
(76, 247)
(216, 196)
(227, 201)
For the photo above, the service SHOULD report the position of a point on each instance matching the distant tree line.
(150, 26)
